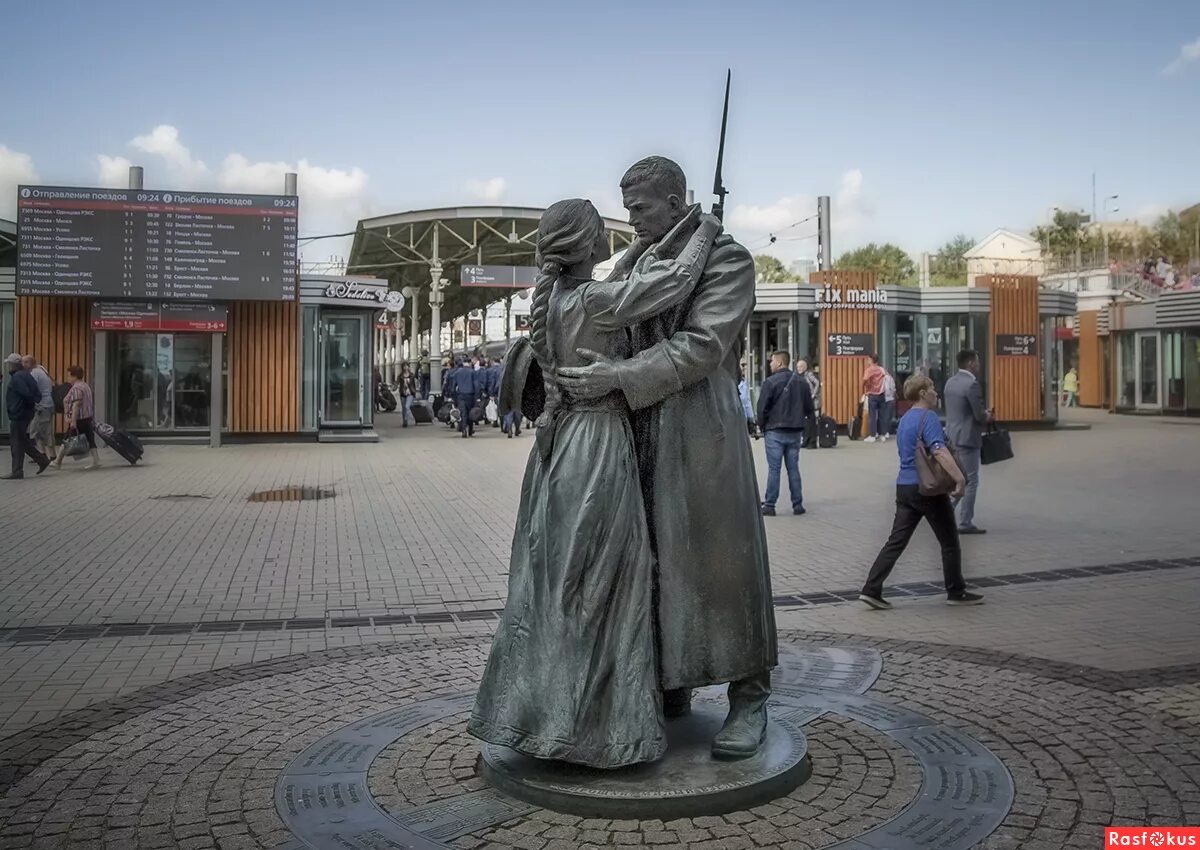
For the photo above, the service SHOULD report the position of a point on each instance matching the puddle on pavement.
(291, 494)
(178, 497)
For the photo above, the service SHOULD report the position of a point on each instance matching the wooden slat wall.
(1091, 366)
(264, 367)
(841, 377)
(57, 332)
(1014, 383)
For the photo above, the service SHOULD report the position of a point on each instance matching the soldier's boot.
(746, 726)
(677, 702)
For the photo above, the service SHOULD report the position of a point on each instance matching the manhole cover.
(291, 494)
(178, 497)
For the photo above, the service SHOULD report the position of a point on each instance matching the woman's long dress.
(573, 672)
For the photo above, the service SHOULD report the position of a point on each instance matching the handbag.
(996, 445)
(932, 478)
(76, 446)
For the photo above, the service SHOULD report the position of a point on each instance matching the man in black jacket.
(21, 400)
(784, 407)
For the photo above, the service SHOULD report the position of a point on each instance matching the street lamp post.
(1104, 230)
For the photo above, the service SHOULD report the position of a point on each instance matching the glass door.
(1148, 390)
(342, 366)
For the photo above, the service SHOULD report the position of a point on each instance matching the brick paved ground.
(421, 524)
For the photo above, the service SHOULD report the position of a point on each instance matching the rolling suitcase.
(422, 412)
(856, 424)
(811, 432)
(121, 442)
(827, 433)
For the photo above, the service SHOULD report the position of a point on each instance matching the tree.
(768, 269)
(1064, 236)
(888, 261)
(948, 267)
(1175, 235)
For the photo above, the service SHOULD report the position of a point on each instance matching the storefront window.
(163, 381)
(1148, 370)
(344, 376)
(903, 348)
(1172, 370)
(944, 335)
(1191, 370)
(1126, 371)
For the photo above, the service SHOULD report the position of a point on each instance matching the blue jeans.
(512, 423)
(783, 446)
(875, 411)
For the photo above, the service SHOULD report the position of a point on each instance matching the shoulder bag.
(996, 445)
(932, 477)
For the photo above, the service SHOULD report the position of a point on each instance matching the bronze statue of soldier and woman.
(639, 563)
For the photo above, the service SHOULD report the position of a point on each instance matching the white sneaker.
(869, 440)
(883, 439)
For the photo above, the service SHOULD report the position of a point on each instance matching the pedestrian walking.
(408, 392)
(423, 373)
(889, 404)
(872, 386)
(784, 407)
(20, 400)
(1070, 386)
(920, 424)
(814, 382)
(744, 397)
(80, 410)
(966, 417)
(812, 428)
(41, 430)
(466, 392)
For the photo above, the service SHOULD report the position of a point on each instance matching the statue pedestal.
(687, 782)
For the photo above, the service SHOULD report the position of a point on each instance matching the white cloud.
(163, 141)
(113, 171)
(331, 199)
(1188, 54)
(851, 213)
(15, 168)
(488, 191)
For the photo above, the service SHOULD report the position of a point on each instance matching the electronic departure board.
(145, 244)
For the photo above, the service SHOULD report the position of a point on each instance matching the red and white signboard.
(152, 316)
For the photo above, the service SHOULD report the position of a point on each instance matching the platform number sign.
(851, 345)
(1016, 345)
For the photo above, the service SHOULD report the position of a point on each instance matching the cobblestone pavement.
(1086, 683)
(195, 763)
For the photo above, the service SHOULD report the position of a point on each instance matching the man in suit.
(965, 418)
(467, 386)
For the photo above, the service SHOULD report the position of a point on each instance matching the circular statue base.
(686, 782)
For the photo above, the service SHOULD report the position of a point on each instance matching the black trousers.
(465, 424)
(22, 446)
(911, 507)
(84, 427)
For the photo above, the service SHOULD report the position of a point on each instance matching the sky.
(922, 120)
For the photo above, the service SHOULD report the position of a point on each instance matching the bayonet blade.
(718, 184)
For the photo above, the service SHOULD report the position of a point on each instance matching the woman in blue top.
(921, 423)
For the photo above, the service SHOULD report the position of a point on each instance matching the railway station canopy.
(404, 247)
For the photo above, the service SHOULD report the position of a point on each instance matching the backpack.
(59, 394)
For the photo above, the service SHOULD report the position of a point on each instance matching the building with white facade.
(1004, 252)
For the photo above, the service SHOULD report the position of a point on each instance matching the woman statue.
(573, 672)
